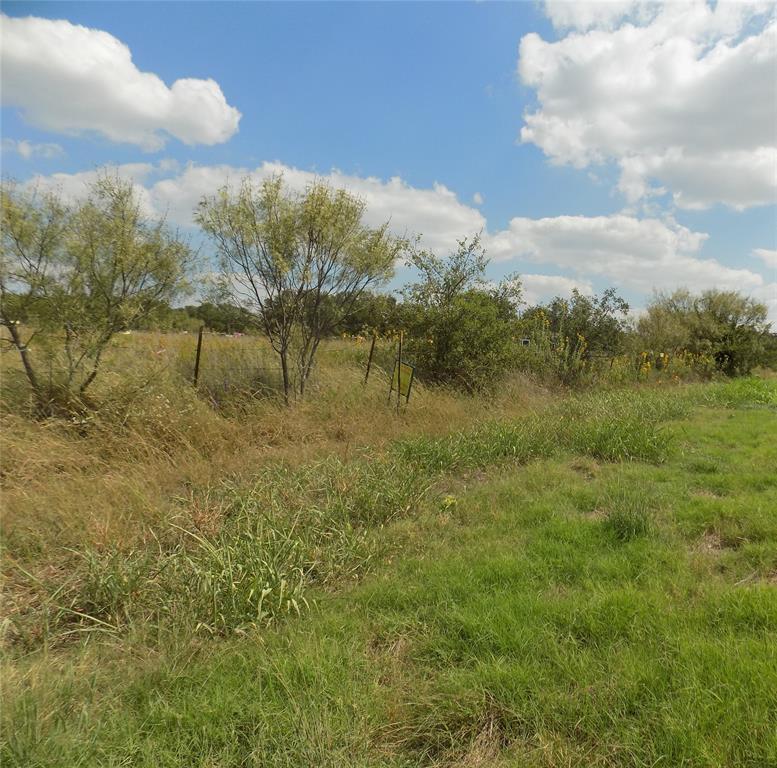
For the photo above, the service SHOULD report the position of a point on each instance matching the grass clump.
(243, 555)
(629, 512)
(239, 559)
(611, 426)
(741, 393)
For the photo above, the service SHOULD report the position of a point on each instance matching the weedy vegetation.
(590, 581)
(561, 551)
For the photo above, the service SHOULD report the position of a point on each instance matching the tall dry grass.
(146, 457)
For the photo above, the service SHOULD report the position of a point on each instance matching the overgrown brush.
(746, 392)
(253, 563)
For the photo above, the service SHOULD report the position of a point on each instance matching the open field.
(540, 579)
(388, 384)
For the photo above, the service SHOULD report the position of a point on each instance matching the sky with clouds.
(625, 143)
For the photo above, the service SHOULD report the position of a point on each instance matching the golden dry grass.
(111, 480)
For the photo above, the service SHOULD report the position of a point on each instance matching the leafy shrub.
(552, 357)
(460, 332)
(571, 339)
(467, 344)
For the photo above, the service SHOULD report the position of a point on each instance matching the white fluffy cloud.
(74, 80)
(639, 254)
(539, 288)
(767, 256)
(74, 185)
(767, 294)
(28, 149)
(680, 95)
(585, 15)
(436, 212)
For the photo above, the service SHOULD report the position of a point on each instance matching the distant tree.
(223, 317)
(297, 262)
(730, 328)
(372, 312)
(164, 317)
(666, 324)
(76, 275)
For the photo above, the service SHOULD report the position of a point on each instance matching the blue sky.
(666, 182)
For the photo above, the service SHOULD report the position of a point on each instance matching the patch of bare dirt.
(705, 493)
(588, 468)
(710, 543)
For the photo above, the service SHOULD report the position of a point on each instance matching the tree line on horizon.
(300, 267)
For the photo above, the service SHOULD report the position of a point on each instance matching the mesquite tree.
(729, 327)
(298, 261)
(72, 276)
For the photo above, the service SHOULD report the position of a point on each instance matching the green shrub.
(552, 358)
(467, 344)
(460, 331)
(572, 341)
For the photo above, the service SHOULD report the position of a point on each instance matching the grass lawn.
(567, 611)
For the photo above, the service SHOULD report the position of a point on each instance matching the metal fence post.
(197, 358)
(399, 372)
(369, 359)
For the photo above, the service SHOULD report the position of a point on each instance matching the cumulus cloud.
(585, 15)
(539, 288)
(72, 186)
(436, 212)
(680, 96)
(767, 294)
(640, 254)
(75, 80)
(29, 150)
(767, 256)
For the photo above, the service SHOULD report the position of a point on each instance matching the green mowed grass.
(564, 612)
